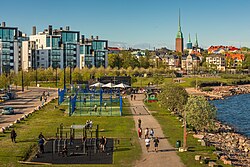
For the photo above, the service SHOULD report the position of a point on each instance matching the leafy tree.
(200, 113)
(173, 97)
(76, 75)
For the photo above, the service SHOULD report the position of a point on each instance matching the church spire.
(189, 39)
(196, 41)
(179, 33)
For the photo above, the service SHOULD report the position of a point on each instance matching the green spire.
(196, 41)
(189, 39)
(179, 33)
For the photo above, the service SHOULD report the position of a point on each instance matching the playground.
(76, 154)
(77, 144)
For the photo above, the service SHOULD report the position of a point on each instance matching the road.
(25, 103)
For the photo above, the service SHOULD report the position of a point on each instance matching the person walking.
(134, 97)
(147, 143)
(146, 133)
(151, 133)
(156, 143)
(13, 135)
(139, 132)
(131, 97)
(139, 122)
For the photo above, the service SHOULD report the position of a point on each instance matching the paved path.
(25, 103)
(166, 156)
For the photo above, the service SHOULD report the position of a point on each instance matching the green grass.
(48, 119)
(173, 130)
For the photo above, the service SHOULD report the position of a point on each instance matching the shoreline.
(220, 92)
(232, 147)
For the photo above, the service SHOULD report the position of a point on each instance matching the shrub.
(233, 76)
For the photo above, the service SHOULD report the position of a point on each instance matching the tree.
(173, 97)
(200, 113)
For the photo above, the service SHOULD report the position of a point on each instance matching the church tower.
(196, 45)
(189, 43)
(179, 37)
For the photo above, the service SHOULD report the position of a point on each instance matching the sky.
(137, 23)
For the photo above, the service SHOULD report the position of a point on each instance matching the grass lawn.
(48, 119)
(173, 130)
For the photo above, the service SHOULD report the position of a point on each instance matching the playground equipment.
(77, 139)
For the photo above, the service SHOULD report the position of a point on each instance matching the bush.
(241, 82)
(207, 83)
(207, 89)
(233, 76)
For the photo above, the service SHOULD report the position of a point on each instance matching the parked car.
(7, 111)
(12, 95)
(5, 97)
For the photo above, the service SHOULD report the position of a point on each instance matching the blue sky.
(138, 23)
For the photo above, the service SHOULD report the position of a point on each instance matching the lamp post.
(56, 76)
(22, 82)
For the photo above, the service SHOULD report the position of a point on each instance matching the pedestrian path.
(166, 156)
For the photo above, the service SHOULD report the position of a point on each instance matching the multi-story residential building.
(60, 48)
(190, 63)
(10, 52)
(234, 60)
(221, 49)
(93, 52)
(216, 61)
(172, 61)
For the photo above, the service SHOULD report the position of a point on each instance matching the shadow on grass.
(121, 149)
(167, 150)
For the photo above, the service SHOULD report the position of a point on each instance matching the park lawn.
(48, 119)
(172, 129)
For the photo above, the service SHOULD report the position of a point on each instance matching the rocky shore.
(232, 148)
(220, 92)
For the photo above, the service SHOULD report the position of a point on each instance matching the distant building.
(179, 38)
(189, 43)
(217, 61)
(60, 48)
(138, 54)
(190, 63)
(172, 61)
(114, 50)
(234, 60)
(221, 49)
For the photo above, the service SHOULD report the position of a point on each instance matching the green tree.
(173, 97)
(200, 113)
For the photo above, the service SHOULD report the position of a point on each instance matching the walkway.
(166, 156)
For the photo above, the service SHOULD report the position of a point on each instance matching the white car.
(5, 97)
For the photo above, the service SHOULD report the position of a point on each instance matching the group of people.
(132, 96)
(149, 135)
(89, 124)
(43, 97)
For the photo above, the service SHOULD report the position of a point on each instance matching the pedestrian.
(156, 143)
(139, 122)
(146, 133)
(139, 132)
(41, 98)
(151, 133)
(105, 105)
(131, 96)
(45, 98)
(41, 144)
(13, 135)
(84, 100)
(65, 151)
(41, 136)
(134, 97)
(95, 108)
(147, 143)
(103, 142)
